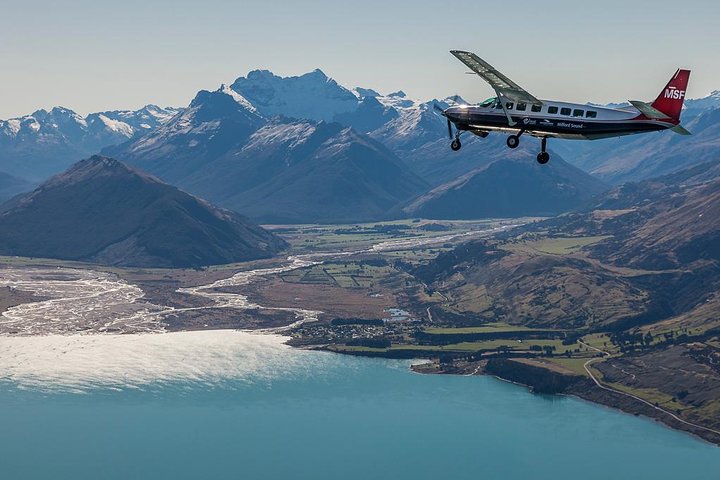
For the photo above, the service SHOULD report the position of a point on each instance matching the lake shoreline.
(580, 387)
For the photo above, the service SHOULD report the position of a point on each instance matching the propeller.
(441, 110)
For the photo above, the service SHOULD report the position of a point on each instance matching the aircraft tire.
(455, 145)
(513, 141)
(543, 158)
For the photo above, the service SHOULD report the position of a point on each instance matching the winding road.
(586, 366)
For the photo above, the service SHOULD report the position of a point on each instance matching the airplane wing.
(502, 85)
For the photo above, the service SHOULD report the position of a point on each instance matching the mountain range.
(36, 146)
(273, 169)
(102, 211)
(307, 149)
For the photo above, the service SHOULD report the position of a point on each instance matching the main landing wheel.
(543, 158)
(455, 145)
(513, 141)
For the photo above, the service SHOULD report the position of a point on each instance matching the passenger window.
(565, 111)
(591, 114)
(521, 107)
(552, 110)
(509, 105)
(536, 108)
(578, 113)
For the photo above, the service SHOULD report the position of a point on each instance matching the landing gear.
(514, 140)
(455, 145)
(543, 157)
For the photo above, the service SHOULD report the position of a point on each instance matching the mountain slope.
(513, 187)
(640, 255)
(213, 124)
(273, 169)
(11, 186)
(306, 172)
(102, 211)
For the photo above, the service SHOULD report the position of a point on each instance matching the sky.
(100, 55)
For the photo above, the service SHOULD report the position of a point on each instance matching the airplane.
(517, 112)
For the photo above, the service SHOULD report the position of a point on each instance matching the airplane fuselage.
(516, 111)
(554, 119)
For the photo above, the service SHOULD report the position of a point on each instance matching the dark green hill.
(100, 210)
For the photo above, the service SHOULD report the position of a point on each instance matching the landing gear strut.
(455, 145)
(543, 157)
(514, 140)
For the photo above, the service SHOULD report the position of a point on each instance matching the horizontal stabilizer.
(680, 130)
(649, 111)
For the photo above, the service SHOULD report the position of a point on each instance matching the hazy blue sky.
(96, 55)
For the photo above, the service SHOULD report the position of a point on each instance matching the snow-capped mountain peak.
(312, 96)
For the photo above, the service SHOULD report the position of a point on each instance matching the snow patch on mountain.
(289, 134)
(117, 126)
(237, 97)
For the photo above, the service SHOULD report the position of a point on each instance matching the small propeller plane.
(517, 112)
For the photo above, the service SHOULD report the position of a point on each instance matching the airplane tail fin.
(670, 100)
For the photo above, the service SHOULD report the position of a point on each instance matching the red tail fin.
(670, 100)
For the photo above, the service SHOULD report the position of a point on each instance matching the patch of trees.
(630, 341)
(464, 256)
(434, 227)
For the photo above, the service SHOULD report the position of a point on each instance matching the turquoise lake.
(165, 411)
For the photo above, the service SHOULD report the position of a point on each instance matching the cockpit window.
(490, 102)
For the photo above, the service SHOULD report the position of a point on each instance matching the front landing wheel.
(543, 158)
(455, 145)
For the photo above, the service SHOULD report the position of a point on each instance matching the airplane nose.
(452, 112)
